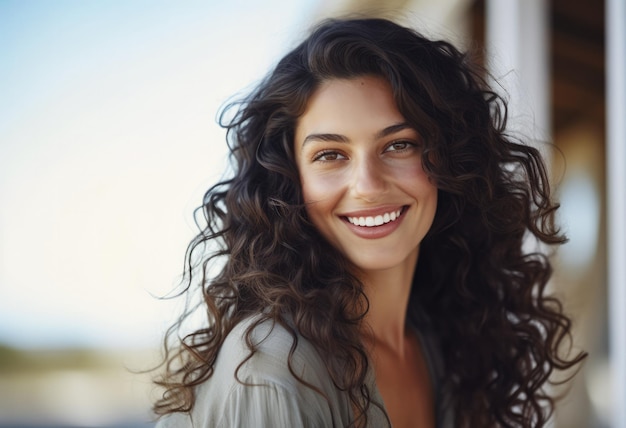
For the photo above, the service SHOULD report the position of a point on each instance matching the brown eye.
(328, 156)
(399, 146)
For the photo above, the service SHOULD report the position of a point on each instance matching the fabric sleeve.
(273, 405)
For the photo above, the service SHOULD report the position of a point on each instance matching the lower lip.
(376, 232)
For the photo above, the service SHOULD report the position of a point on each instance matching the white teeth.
(375, 221)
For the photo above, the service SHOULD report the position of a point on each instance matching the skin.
(358, 157)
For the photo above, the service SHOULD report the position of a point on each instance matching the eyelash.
(318, 157)
(408, 145)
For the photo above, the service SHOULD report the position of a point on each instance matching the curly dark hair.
(484, 295)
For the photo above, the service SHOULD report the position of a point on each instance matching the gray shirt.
(266, 394)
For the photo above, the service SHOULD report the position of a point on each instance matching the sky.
(108, 140)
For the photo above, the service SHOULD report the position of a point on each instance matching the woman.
(371, 246)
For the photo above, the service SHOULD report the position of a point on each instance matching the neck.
(388, 293)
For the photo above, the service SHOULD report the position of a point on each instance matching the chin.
(377, 262)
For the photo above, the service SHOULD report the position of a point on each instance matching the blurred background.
(108, 140)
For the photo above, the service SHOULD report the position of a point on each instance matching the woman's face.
(362, 178)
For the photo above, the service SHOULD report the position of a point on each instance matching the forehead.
(361, 104)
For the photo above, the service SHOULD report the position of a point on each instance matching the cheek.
(317, 200)
(321, 193)
(319, 209)
(318, 188)
(310, 191)
(413, 173)
(417, 183)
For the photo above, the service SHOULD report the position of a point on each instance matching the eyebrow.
(338, 138)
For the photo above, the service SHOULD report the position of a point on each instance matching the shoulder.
(283, 383)
(276, 350)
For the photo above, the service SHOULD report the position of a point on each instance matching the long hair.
(483, 295)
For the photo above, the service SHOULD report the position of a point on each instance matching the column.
(616, 202)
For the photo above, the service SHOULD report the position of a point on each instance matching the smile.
(373, 221)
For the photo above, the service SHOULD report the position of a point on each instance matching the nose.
(368, 180)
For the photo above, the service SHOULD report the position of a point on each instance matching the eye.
(328, 156)
(400, 146)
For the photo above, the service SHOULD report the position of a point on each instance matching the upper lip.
(372, 212)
